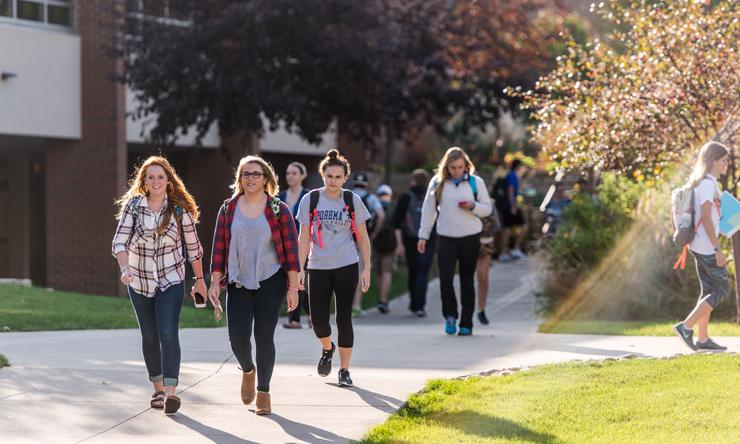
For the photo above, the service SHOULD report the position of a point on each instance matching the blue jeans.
(715, 286)
(261, 307)
(159, 322)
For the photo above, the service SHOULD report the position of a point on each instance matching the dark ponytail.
(333, 158)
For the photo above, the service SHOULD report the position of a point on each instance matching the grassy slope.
(631, 328)
(691, 398)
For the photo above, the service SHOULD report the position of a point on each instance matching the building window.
(51, 13)
(168, 12)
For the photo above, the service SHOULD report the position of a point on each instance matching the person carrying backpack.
(155, 235)
(407, 221)
(456, 199)
(374, 225)
(332, 232)
(384, 257)
(703, 242)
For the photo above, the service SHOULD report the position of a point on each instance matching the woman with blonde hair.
(156, 216)
(456, 199)
(255, 256)
(711, 267)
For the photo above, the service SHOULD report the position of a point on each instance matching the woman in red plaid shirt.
(255, 255)
(157, 215)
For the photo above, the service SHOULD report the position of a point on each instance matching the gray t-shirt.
(252, 254)
(339, 249)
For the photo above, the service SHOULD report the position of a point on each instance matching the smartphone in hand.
(199, 300)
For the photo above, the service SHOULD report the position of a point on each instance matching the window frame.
(14, 20)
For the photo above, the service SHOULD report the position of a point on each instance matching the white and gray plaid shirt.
(155, 261)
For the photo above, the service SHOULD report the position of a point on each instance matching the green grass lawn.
(631, 328)
(3, 361)
(691, 398)
(35, 309)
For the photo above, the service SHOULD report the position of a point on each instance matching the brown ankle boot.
(248, 390)
(263, 403)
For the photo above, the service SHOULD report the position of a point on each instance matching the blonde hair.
(177, 194)
(271, 183)
(451, 155)
(708, 154)
(333, 158)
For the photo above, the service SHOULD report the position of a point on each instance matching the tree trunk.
(735, 255)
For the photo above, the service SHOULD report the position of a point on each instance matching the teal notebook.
(729, 218)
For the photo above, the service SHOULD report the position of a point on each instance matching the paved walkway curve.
(90, 386)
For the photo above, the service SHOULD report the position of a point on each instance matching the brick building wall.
(83, 177)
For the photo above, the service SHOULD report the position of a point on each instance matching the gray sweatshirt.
(453, 221)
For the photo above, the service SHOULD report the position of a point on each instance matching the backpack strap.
(349, 206)
(135, 207)
(313, 202)
(473, 186)
(275, 205)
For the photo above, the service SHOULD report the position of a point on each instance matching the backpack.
(682, 219)
(498, 192)
(370, 223)
(412, 221)
(313, 214)
(471, 182)
(385, 241)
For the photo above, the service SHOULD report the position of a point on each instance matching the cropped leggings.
(342, 283)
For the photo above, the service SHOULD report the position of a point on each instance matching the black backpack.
(313, 215)
(499, 190)
(412, 221)
(385, 242)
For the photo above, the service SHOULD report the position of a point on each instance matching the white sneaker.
(518, 254)
(505, 258)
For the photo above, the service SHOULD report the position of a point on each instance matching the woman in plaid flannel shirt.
(255, 255)
(156, 215)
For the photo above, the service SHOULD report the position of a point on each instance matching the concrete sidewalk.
(91, 385)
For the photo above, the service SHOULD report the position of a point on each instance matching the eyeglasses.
(247, 175)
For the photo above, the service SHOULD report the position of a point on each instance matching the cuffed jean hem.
(170, 382)
(156, 378)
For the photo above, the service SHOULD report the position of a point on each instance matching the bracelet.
(198, 278)
(293, 289)
(124, 269)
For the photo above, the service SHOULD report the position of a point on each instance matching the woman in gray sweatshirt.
(456, 199)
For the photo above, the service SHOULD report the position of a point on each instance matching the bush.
(612, 258)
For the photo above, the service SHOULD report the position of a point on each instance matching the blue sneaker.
(465, 331)
(451, 325)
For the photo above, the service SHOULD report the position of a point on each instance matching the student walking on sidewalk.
(710, 261)
(407, 221)
(156, 216)
(295, 174)
(255, 255)
(332, 229)
(456, 199)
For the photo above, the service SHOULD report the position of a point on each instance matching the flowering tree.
(662, 84)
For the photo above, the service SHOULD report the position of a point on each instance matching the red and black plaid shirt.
(284, 236)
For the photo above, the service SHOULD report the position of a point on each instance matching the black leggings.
(342, 282)
(462, 250)
(263, 307)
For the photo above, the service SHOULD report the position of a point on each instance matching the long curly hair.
(441, 175)
(177, 194)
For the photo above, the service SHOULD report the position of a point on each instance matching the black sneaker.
(482, 317)
(709, 345)
(383, 307)
(686, 334)
(324, 367)
(344, 379)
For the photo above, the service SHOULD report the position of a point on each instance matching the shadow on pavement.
(214, 435)
(378, 400)
(305, 432)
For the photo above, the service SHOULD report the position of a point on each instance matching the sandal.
(157, 401)
(171, 404)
